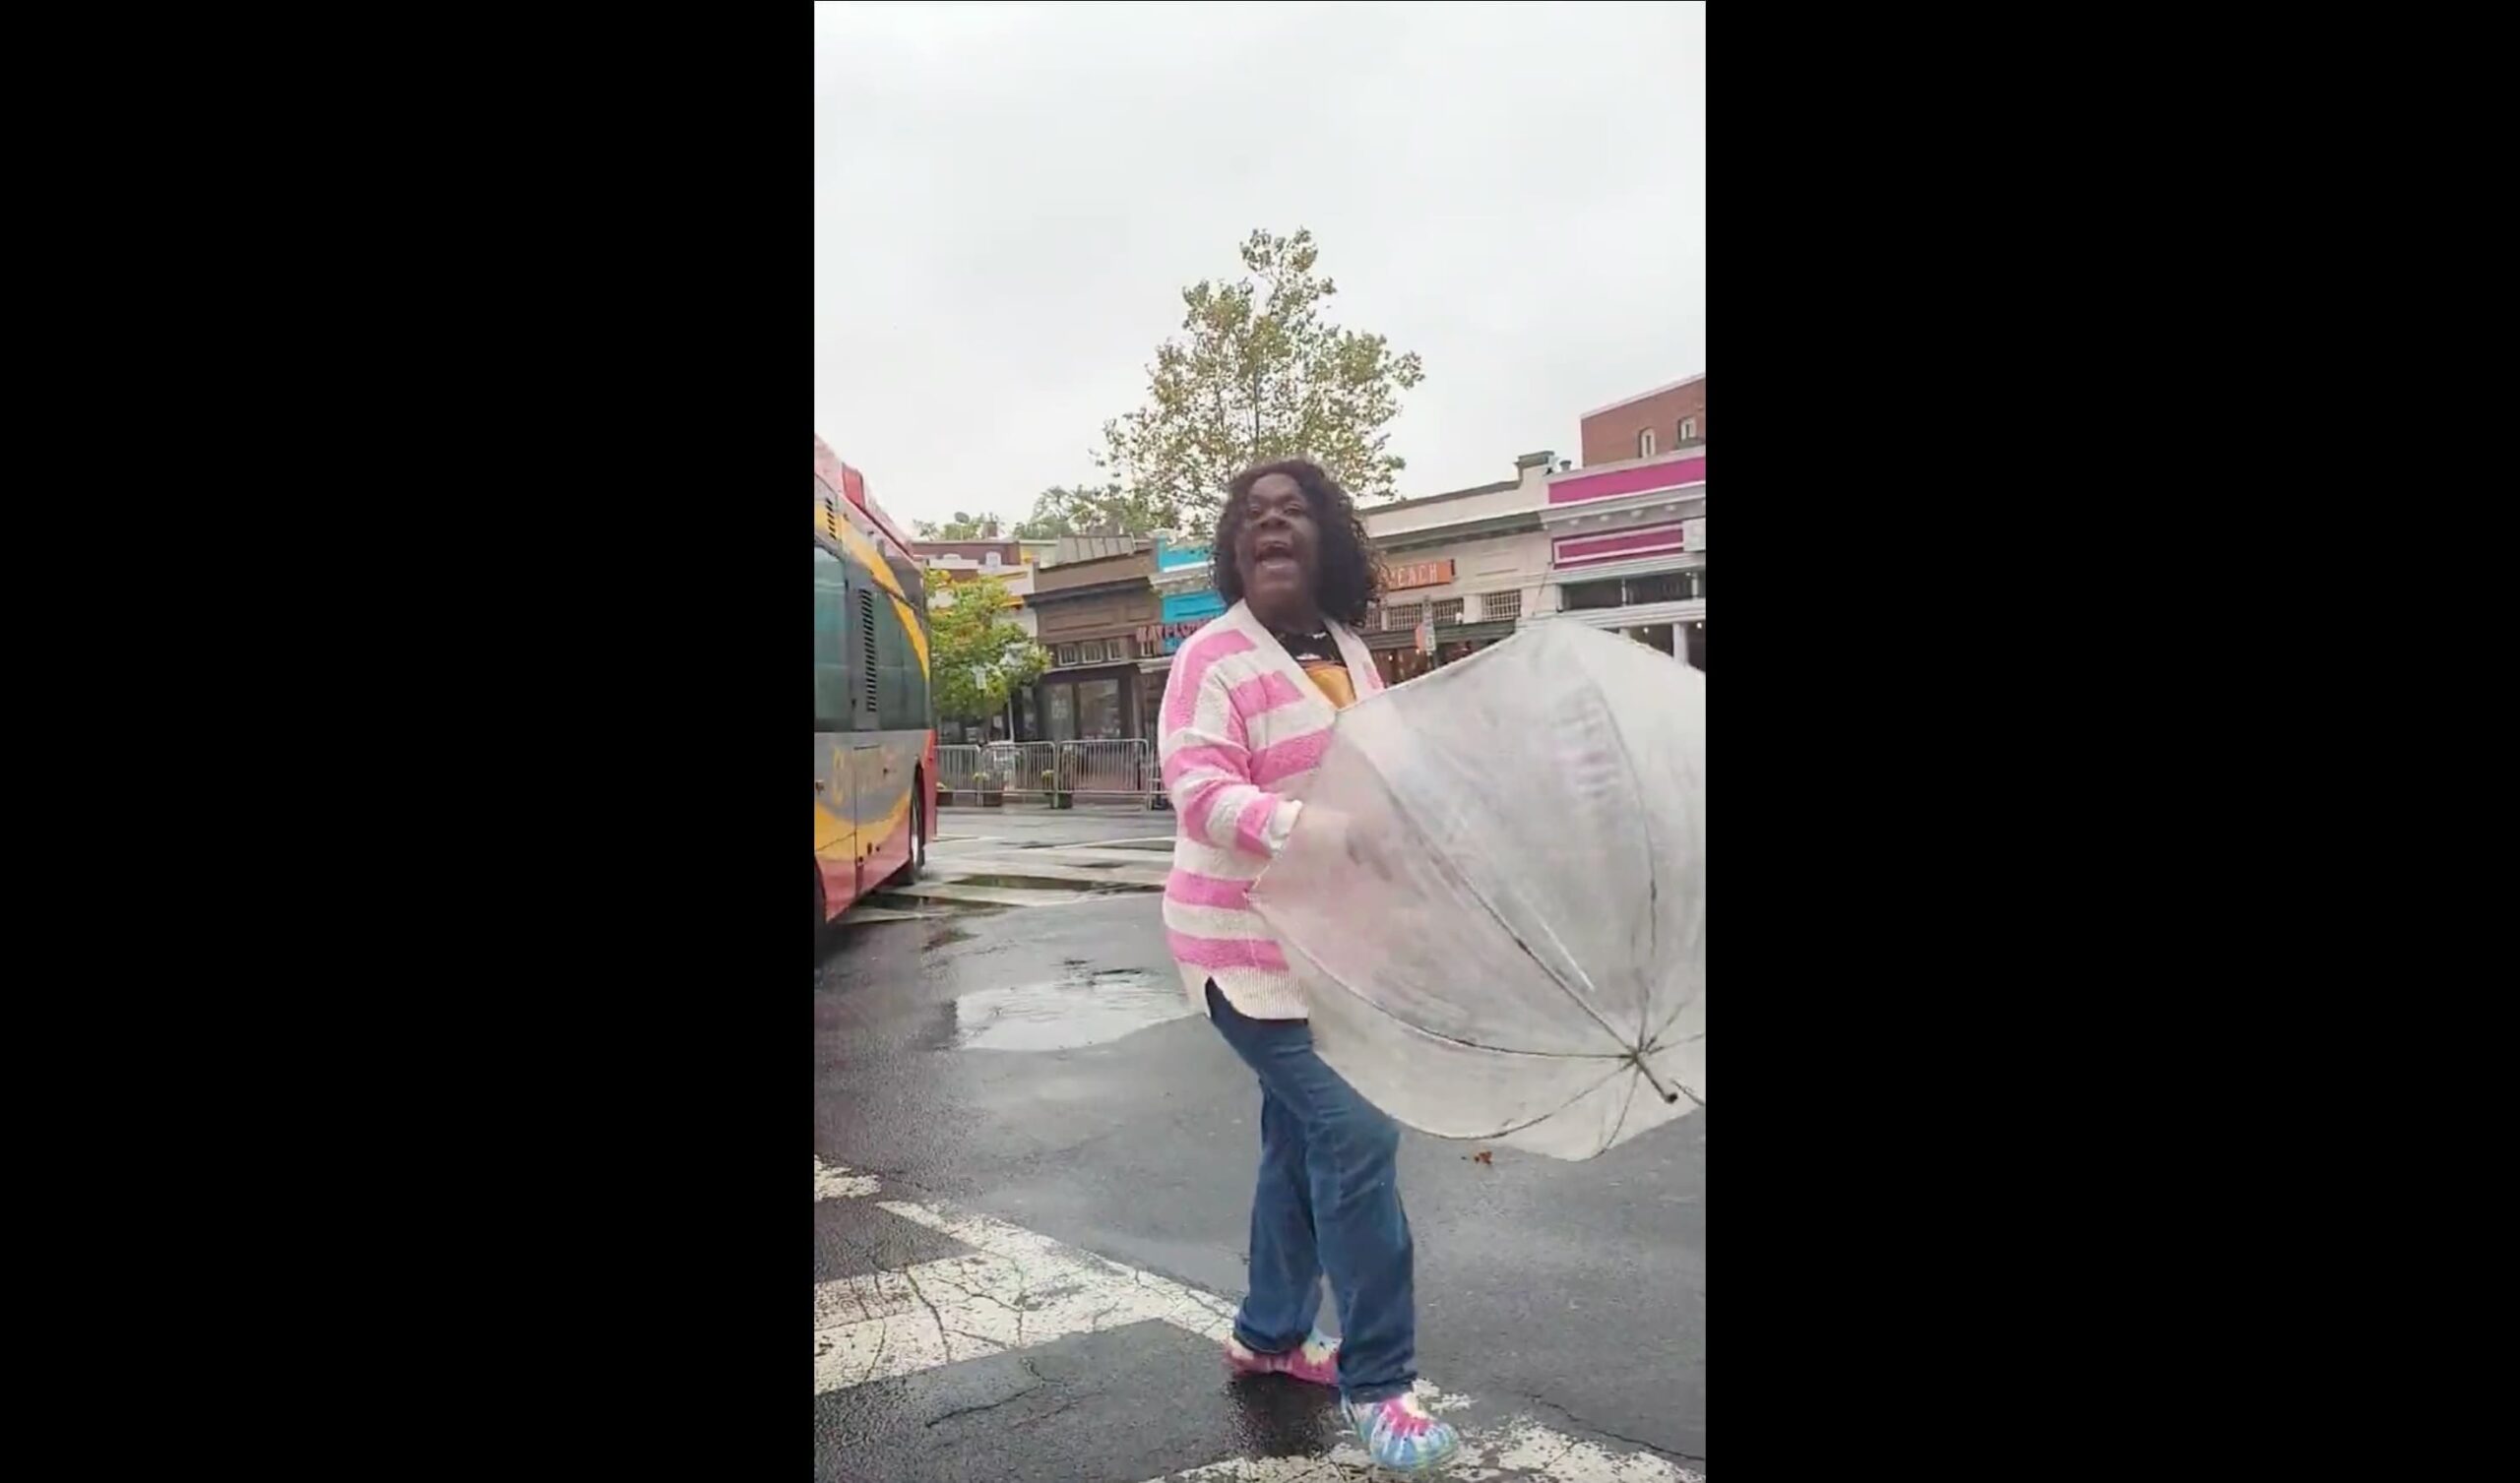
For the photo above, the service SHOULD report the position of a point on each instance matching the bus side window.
(832, 709)
(899, 710)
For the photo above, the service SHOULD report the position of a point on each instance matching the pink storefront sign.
(1637, 480)
(1579, 550)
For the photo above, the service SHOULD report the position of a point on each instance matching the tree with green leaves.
(1257, 375)
(962, 526)
(1088, 510)
(977, 656)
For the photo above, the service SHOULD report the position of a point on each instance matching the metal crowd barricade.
(1022, 767)
(958, 770)
(1039, 772)
(1106, 769)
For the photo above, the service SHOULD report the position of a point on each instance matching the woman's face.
(1276, 549)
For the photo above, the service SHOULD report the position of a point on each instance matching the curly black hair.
(1346, 575)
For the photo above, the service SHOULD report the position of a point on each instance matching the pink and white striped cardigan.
(1243, 729)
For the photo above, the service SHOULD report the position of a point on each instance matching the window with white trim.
(1067, 655)
(1497, 607)
(1689, 429)
(1645, 443)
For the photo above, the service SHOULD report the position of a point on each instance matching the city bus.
(874, 730)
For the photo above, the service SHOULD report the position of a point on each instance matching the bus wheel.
(917, 826)
(909, 872)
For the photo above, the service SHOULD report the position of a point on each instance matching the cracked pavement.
(1026, 1260)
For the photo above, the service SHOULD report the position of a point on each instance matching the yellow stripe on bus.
(865, 550)
(830, 830)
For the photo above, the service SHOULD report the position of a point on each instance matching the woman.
(1245, 722)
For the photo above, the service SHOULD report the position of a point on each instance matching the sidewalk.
(1081, 806)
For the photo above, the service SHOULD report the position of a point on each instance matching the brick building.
(1090, 614)
(1652, 423)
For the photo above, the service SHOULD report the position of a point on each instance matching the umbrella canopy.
(1498, 892)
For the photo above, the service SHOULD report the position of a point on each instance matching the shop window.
(1447, 610)
(1098, 710)
(1501, 608)
(1661, 587)
(1595, 595)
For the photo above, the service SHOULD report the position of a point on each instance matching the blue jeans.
(1328, 1201)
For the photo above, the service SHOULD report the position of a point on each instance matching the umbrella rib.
(1653, 877)
(1624, 1108)
(1400, 806)
(1510, 1129)
(1696, 929)
(1325, 971)
(1555, 1055)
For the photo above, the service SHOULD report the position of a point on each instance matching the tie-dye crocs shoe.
(1399, 1434)
(1315, 1360)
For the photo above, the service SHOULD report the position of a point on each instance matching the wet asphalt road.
(1573, 1295)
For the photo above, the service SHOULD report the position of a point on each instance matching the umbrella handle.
(1668, 1094)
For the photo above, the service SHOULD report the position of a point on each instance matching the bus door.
(836, 848)
(890, 743)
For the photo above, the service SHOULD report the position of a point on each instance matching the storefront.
(1092, 614)
(1090, 704)
(1662, 610)
(1627, 551)
(1187, 601)
(1427, 619)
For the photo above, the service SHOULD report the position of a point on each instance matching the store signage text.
(1417, 574)
(1164, 638)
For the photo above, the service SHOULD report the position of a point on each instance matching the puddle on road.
(890, 908)
(1045, 883)
(1078, 1009)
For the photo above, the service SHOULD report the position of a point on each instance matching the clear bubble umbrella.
(1496, 893)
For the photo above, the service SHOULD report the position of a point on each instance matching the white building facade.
(1627, 550)
(1471, 566)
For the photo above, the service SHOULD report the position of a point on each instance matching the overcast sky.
(1008, 200)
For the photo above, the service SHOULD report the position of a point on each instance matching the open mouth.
(1269, 549)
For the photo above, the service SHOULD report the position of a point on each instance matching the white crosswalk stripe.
(1018, 1288)
(831, 1183)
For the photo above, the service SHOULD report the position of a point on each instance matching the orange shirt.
(1318, 655)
